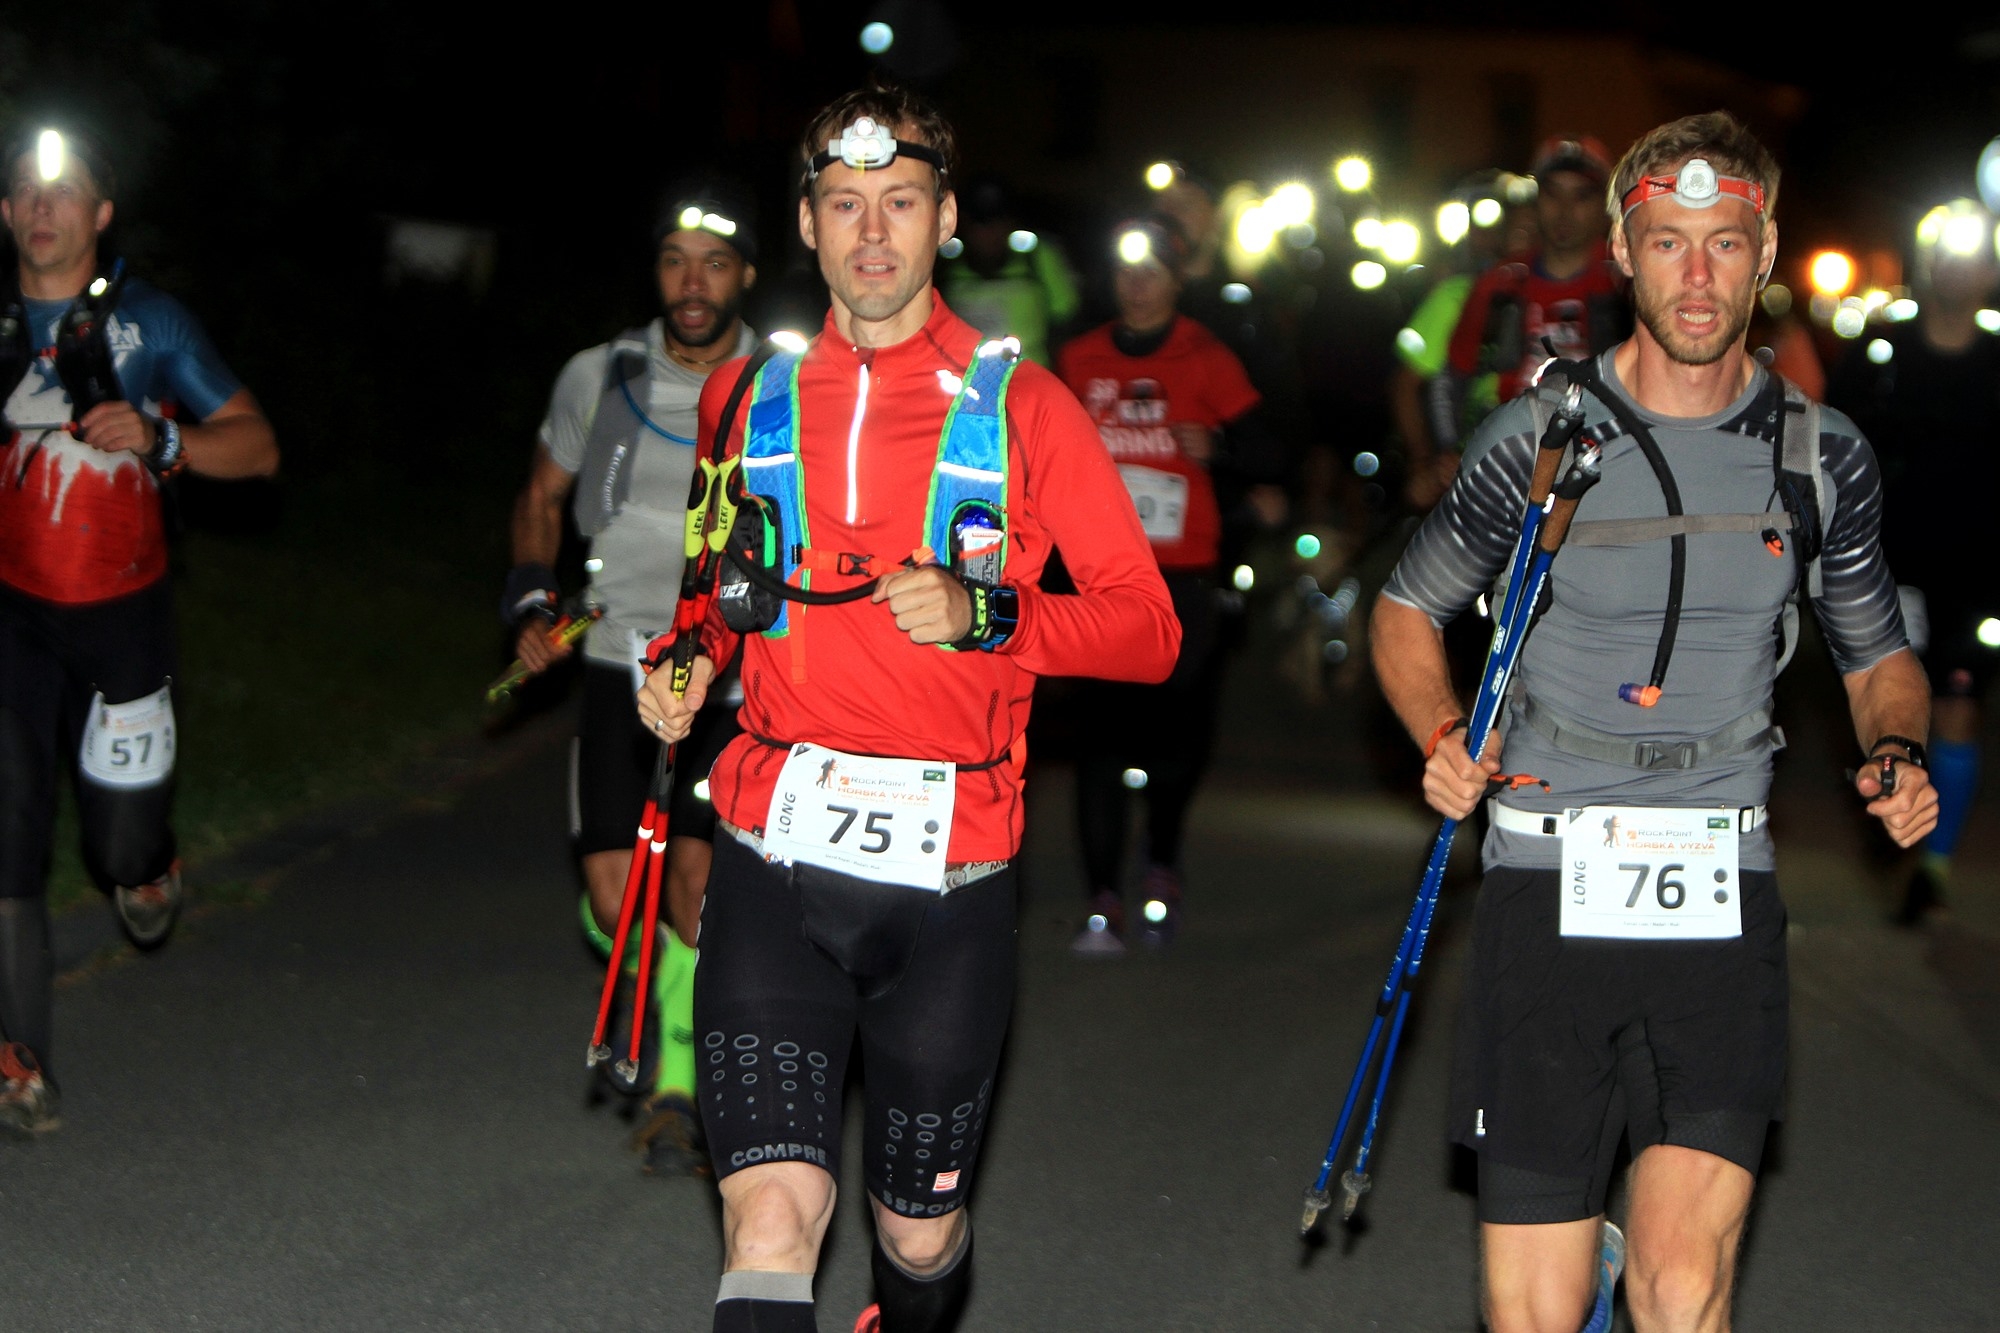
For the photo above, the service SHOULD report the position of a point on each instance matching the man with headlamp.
(110, 388)
(863, 886)
(618, 449)
(1566, 290)
(1637, 990)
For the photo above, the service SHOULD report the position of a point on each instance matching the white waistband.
(1544, 824)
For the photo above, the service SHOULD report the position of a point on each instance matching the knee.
(1673, 1293)
(921, 1248)
(775, 1224)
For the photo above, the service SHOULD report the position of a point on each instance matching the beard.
(724, 321)
(1656, 312)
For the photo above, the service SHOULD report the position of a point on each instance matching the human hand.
(929, 603)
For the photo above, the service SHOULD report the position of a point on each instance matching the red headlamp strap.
(1697, 185)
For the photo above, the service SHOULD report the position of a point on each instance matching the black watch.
(995, 613)
(1919, 756)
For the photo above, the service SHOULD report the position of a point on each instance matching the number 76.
(1663, 887)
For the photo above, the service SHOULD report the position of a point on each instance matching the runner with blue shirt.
(110, 388)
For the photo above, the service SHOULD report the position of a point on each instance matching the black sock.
(27, 975)
(756, 1302)
(930, 1304)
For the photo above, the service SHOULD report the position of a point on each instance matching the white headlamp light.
(866, 146)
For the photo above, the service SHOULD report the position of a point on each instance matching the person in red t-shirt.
(1567, 291)
(1163, 391)
(862, 888)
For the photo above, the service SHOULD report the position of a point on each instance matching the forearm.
(536, 528)
(1891, 698)
(241, 444)
(1411, 667)
(1126, 632)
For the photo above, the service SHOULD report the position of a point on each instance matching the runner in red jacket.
(862, 885)
(1167, 395)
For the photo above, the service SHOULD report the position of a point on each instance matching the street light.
(1832, 273)
(1353, 174)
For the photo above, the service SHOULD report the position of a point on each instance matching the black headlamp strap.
(822, 160)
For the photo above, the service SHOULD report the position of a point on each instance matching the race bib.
(1638, 873)
(1161, 499)
(130, 744)
(887, 820)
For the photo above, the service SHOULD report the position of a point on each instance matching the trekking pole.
(571, 626)
(711, 513)
(1543, 524)
(644, 851)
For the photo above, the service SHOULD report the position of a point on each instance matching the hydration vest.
(604, 478)
(84, 364)
(1781, 414)
(968, 491)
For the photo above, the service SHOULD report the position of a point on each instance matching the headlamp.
(51, 154)
(1695, 185)
(865, 146)
(696, 217)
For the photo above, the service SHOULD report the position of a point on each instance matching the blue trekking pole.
(1550, 507)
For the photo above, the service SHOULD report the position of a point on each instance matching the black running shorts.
(611, 766)
(796, 963)
(1565, 1046)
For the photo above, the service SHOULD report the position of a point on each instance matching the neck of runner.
(1670, 388)
(704, 359)
(64, 285)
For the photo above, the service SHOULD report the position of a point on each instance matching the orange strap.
(1444, 730)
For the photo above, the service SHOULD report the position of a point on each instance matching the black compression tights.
(27, 976)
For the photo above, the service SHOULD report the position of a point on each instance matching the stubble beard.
(1657, 314)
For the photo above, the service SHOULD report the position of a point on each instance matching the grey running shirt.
(1604, 622)
(639, 577)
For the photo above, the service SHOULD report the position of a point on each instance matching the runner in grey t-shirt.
(1627, 973)
(618, 449)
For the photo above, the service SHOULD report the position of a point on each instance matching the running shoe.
(870, 1320)
(27, 1100)
(671, 1139)
(148, 912)
(1161, 894)
(1923, 896)
(1103, 935)
(1611, 1253)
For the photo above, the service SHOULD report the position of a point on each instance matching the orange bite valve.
(1643, 695)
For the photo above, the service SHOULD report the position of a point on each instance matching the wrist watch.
(166, 458)
(1919, 756)
(995, 614)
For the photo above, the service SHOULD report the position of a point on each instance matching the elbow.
(1168, 655)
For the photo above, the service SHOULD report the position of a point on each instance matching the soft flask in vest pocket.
(747, 608)
(977, 542)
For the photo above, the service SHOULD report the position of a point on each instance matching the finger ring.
(658, 723)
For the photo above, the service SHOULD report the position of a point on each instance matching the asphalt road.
(361, 1104)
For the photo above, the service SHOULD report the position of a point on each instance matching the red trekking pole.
(711, 515)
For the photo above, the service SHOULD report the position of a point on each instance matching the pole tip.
(596, 1056)
(1317, 1201)
(1353, 1184)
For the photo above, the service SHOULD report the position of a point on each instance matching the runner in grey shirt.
(1627, 973)
(618, 449)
